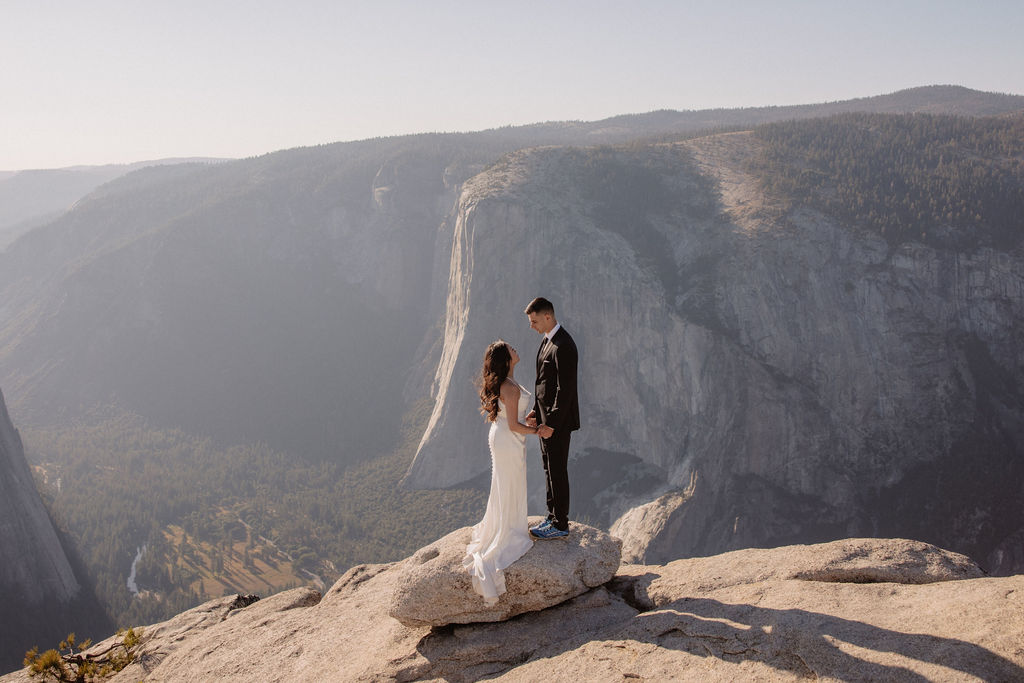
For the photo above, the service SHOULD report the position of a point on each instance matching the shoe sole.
(547, 538)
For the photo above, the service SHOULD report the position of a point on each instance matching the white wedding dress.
(502, 536)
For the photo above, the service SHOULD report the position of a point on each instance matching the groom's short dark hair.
(540, 305)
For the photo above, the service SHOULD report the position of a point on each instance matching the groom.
(556, 412)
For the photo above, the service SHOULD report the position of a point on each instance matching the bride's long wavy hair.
(497, 359)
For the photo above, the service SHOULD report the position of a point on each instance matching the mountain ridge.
(34, 197)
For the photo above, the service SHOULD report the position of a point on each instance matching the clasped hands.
(543, 431)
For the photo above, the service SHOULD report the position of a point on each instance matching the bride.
(501, 537)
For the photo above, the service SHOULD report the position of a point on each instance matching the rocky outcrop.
(782, 376)
(637, 526)
(855, 609)
(433, 585)
(852, 560)
(33, 566)
(38, 588)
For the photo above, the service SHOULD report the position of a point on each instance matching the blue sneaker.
(543, 525)
(550, 531)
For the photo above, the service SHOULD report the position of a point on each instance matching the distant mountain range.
(33, 197)
(763, 362)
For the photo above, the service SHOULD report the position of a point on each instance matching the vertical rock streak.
(457, 310)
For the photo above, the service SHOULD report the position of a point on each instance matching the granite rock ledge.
(435, 589)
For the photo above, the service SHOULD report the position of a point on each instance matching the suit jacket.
(556, 402)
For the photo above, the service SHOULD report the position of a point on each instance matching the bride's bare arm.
(510, 397)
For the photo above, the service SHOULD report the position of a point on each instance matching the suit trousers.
(555, 452)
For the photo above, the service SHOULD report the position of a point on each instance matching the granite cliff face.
(37, 583)
(768, 375)
(34, 566)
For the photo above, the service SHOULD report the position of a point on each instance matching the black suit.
(557, 406)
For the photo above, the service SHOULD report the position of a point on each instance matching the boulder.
(434, 589)
(641, 525)
(850, 560)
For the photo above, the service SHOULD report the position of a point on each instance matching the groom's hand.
(545, 432)
(531, 419)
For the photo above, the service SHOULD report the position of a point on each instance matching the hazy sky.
(112, 81)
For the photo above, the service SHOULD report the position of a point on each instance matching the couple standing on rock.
(502, 536)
